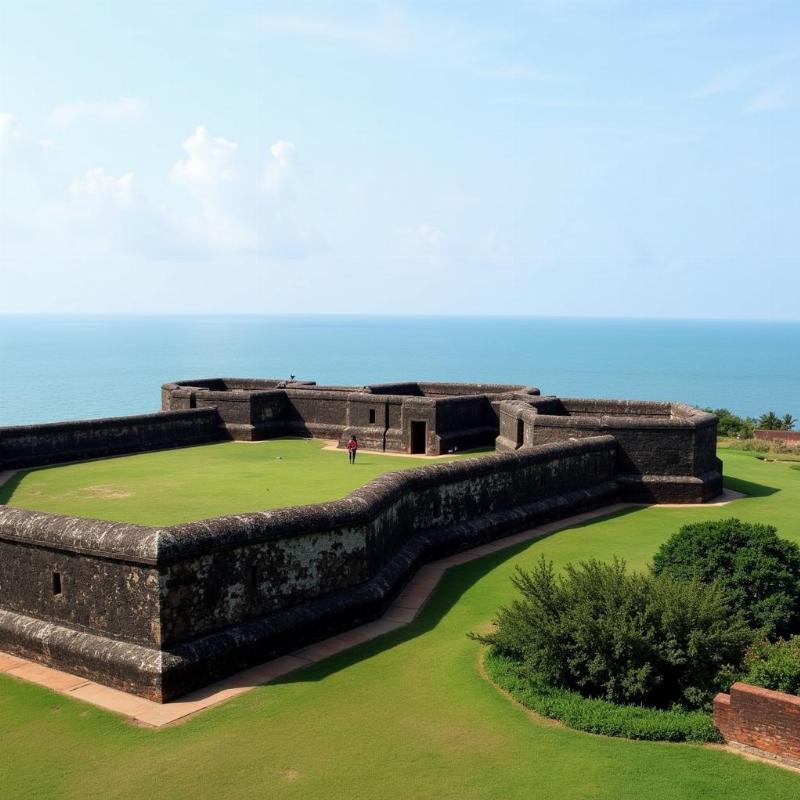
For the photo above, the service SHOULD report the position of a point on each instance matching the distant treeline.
(731, 424)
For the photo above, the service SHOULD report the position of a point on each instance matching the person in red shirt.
(352, 449)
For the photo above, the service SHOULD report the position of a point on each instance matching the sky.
(597, 158)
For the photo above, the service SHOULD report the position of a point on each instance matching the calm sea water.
(73, 367)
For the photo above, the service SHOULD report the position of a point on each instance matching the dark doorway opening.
(520, 433)
(418, 437)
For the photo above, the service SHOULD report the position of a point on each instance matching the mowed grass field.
(405, 716)
(192, 483)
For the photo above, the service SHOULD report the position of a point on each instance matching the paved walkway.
(403, 610)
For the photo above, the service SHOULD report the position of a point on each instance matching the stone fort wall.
(37, 445)
(428, 418)
(666, 452)
(161, 611)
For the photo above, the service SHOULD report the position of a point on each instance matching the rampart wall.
(666, 453)
(161, 611)
(36, 445)
(457, 416)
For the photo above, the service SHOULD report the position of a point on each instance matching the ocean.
(56, 368)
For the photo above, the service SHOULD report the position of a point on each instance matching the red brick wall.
(787, 437)
(760, 718)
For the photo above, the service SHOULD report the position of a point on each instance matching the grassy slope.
(172, 486)
(407, 716)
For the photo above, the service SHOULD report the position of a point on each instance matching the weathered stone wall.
(161, 611)
(83, 595)
(465, 422)
(760, 720)
(98, 594)
(319, 413)
(35, 445)
(263, 561)
(193, 602)
(379, 415)
(667, 451)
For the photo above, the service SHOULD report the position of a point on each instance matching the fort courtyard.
(193, 483)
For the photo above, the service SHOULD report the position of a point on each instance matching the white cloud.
(122, 110)
(774, 99)
(210, 160)
(281, 164)
(430, 235)
(98, 183)
(491, 247)
(10, 132)
(210, 172)
(226, 203)
(235, 209)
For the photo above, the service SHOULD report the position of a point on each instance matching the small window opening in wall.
(254, 577)
(372, 416)
(56, 583)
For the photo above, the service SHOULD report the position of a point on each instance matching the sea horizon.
(56, 367)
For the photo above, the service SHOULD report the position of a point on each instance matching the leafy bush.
(774, 665)
(733, 425)
(624, 637)
(758, 572)
(599, 716)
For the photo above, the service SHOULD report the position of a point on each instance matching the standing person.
(352, 449)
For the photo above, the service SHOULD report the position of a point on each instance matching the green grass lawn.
(405, 716)
(191, 483)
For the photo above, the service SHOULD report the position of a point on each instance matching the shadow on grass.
(749, 488)
(453, 584)
(9, 487)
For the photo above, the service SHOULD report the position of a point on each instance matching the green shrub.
(599, 716)
(733, 425)
(624, 637)
(758, 572)
(774, 665)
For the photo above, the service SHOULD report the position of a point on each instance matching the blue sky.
(577, 158)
